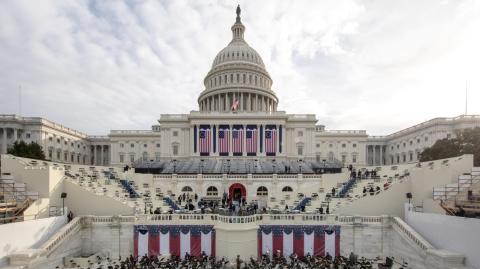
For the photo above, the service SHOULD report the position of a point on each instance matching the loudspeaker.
(63, 195)
(409, 195)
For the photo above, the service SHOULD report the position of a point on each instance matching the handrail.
(411, 233)
(64, 233)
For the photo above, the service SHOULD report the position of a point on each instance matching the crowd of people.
(276, 261)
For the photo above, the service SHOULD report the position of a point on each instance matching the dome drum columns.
(247, 102)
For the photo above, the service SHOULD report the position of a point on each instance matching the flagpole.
(466, 97)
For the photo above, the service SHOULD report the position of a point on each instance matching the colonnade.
(375, 155)
(102, 157)
(215, 151)
(250, 102)
(4, 142)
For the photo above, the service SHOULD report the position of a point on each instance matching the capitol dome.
(238, 80)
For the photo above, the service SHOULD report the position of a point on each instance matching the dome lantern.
(238, 76)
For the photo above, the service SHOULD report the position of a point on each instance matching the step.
(463, 177)
(475, 169)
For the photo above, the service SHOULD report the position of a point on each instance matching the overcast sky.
(379, 66)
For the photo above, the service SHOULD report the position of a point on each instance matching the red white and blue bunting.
(316, 240)
(153, 240)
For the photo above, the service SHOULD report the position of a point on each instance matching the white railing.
(411, 234)
(62, 235)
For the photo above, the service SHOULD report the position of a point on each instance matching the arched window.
(238, 78)
(262, 191)
(187, 189)
(330, 156)
(212, 191)
(287, 188)
(244, 78)
(225, 79)
(250, 79)
(231, 78)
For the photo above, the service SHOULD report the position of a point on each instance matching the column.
(258, 139)
(218, 102)
(381, 155)
(15, 135)
(277, 149)
(217, 150)
(4, 141)
(241, 101)
(375, 155)
(94, 155)
(244, 138)
(367, 161)
(249, 107)
(256, 102)
(101, 155)
(226, 98)
(230, 147)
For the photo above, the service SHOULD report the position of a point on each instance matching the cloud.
(375, 65)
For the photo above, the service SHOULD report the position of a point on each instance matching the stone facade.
(238, 94)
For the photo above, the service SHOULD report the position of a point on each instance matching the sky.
(372, 65)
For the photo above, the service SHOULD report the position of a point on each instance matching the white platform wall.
(456, 234)
(27, 234)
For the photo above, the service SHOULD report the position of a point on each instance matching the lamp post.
(63, 196)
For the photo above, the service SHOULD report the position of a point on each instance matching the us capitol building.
(237, 118)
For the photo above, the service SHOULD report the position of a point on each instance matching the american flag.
(205, 138)
(237, 139)
(178, 240)
(234, 105)
(270, 140)
(251, 140)
(223, 135)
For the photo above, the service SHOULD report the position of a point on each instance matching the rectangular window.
(411, 156)
(344, 158)
(354, 158)
(121, 145)
(318, 145)
(58, 155)
(300, 150)
(132, 158)
(121, 158)
(27, 135)
(300, 133)
(157, 156)
(132, 145)
(175, 150)
(318, 158)
(158, 145)
(175, 133)
(354, 145)
(344, 145)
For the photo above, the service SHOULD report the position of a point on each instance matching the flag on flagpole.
(234, 105)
